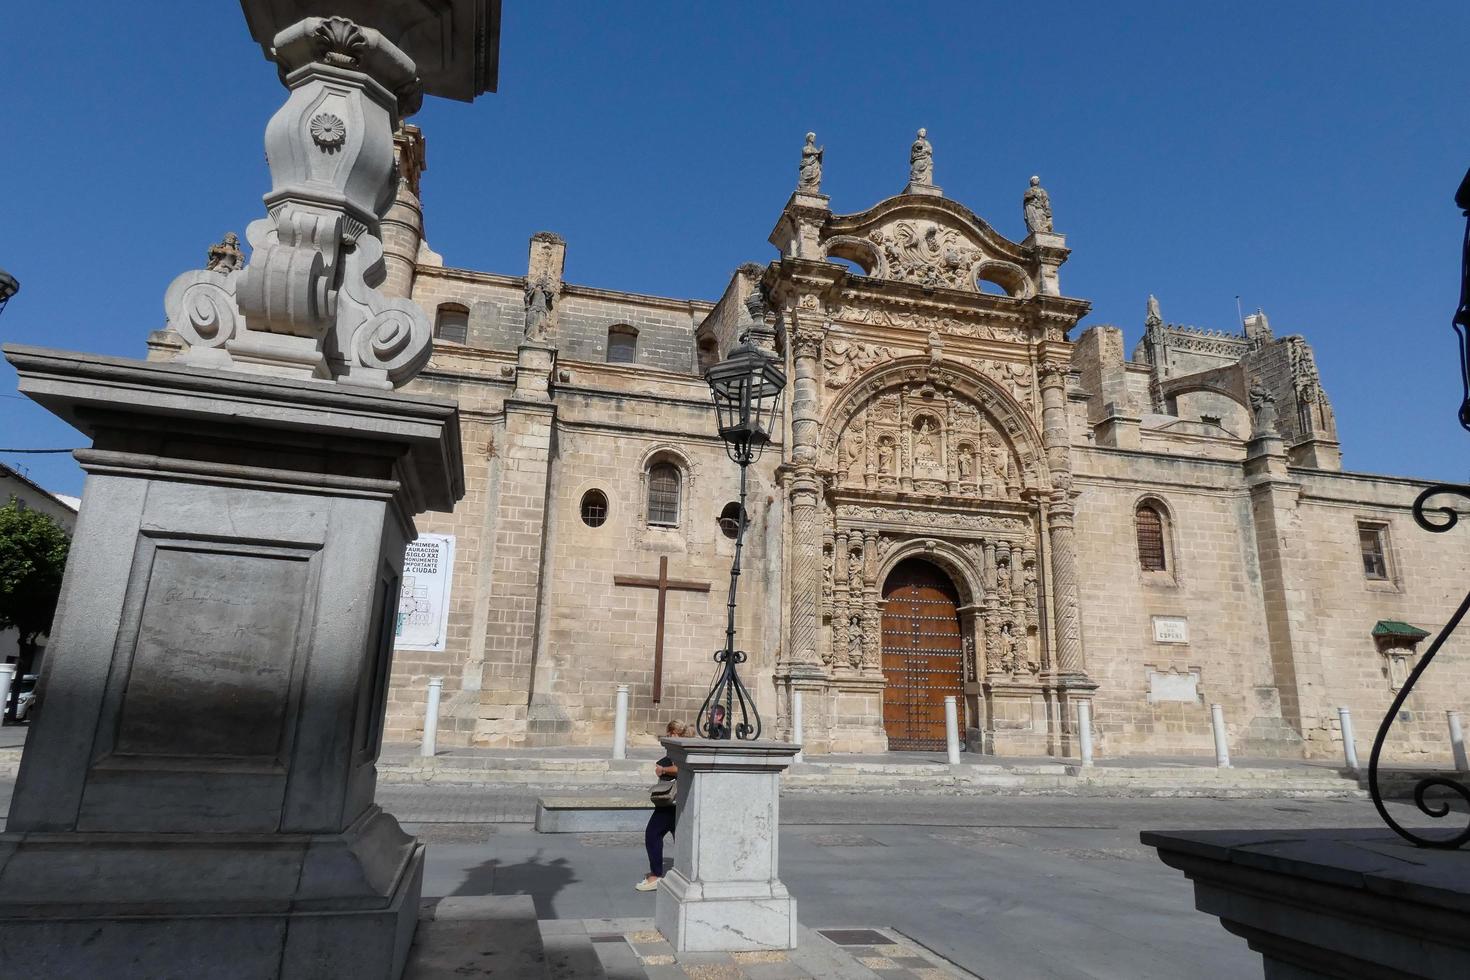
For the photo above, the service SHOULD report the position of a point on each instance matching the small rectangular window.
(1373, 545)
(622, 346)
(453, 324)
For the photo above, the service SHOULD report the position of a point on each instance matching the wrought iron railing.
(1446, 518)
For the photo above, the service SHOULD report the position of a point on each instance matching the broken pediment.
(931, 242)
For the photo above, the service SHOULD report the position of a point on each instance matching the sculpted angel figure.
(809, 177)
(921, 160)
(1036, 205)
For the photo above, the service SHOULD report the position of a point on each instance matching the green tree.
(32, 557)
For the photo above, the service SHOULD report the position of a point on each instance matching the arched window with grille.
(664, 485)
(1152, 530)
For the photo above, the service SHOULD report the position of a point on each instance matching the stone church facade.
(968, 497)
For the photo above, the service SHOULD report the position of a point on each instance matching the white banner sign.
(423, 601)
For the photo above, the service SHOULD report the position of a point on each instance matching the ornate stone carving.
(1036, 205)
(307, 304)
(809, 176)
(843, 360)
(913, 320)
(328, 131)
(921, 160)
(225, 256)
(927, 253)
(855, 656)
(944, 520)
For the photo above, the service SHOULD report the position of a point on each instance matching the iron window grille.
(663, 494)
(1151, 552)
(594, 508)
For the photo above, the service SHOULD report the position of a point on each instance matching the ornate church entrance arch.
(923, 654)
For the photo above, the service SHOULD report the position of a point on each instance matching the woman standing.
(661, 821)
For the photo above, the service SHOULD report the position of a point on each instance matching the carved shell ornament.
(328, 131)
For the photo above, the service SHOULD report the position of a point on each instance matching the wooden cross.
(663, 583)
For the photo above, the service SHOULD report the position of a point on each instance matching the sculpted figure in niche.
(538, 309)
(855, 643)
(921, 160)
(924, 443)
(810, 174)
(964, 463)
(851, 457)
(885, 455)
(1037, 207)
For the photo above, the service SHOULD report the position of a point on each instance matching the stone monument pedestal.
(724, 892)
(1332, 903)
(196, 794)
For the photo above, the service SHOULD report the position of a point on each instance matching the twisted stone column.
(1060, 518)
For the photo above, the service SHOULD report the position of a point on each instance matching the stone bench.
(591, 814)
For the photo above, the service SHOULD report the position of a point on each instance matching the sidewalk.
(590, 768)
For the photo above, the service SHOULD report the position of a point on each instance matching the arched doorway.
(923, 658)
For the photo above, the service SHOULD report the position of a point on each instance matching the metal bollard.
(1084, 731)
(1222, 746)
(620, 725)
(7, 676)
(952, 730)
(796, 723)
(1349, 747)
(431, 717)
(1457, 741)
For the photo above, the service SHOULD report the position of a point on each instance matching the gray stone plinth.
(196, 795)
(1332, 903)
(724, 891)
(582, 814)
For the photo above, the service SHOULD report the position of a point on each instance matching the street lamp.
(9, 286)
(746, 387)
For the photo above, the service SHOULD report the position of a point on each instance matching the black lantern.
(9, 286)
(746, 387)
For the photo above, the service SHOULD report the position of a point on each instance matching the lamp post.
(9, 286)
(746, 387)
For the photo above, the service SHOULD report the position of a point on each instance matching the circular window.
(730, 520)
(594, 508)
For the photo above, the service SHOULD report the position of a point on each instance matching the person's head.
(674, 729)
(718, 714)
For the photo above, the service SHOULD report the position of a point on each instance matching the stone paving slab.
(815, 958)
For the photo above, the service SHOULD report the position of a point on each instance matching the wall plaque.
(1171, 685)
(1171, 629)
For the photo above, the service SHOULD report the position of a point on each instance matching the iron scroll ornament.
(1447, 518)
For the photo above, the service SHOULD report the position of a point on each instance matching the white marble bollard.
(431, 718)
(724, 892)
(1222, 745)
(1084, 731)
(7, 676)
(951, 730)
(796, 724)
(1349, 746)
(620, 724)
(1457, 741)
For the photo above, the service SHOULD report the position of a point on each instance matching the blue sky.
(1300, 155)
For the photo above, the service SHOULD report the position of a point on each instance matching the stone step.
(479, 936)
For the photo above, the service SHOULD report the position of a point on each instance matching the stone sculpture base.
(196, 794)
(724, 892)
(1332, 903)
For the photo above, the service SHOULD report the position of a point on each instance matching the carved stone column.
(1060, 514)
(804, 490)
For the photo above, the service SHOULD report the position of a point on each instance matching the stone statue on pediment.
(1263, 409)
(1036, 205)
(809, 179)
(921, 160)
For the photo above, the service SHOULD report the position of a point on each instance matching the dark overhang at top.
(454, 43)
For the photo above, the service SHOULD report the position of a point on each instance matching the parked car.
(25, 698)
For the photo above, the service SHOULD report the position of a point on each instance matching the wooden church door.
(923, 658)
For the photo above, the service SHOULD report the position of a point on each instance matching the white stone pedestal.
(724, 892)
